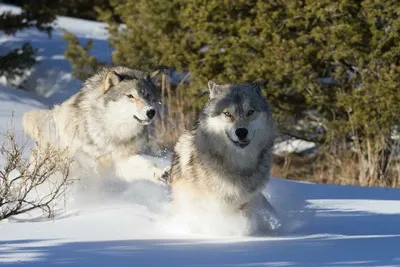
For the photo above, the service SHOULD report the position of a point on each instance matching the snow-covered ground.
(125, 226)
(107, 222)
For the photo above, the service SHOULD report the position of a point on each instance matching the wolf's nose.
(241, 133)
(150, 113)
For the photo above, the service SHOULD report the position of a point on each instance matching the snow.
(293, 146)
(352, 226)
(17, 102)
(51, 76)
(13, 104)
(107, 221)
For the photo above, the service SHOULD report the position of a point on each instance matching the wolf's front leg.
(264, 215)
(137, 167)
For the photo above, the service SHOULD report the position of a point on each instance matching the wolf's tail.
(39, 125)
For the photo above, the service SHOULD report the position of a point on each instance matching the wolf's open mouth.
(241, 144)
(144, 122)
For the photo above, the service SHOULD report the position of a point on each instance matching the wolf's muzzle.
(240, 143)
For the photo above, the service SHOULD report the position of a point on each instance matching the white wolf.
(225, 161)
(106, 121)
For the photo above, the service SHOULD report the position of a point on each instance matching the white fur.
(85, 124)
(119, 116)
(214, 170)
(239, 156)
(184, 146)
(137, 167)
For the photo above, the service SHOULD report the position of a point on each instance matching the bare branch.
(26, 191)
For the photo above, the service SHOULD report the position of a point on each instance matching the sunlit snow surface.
(104, 221)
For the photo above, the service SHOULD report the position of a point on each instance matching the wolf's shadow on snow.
(333, 238)
(364, 250)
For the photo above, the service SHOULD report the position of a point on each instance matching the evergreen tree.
(84, 64)
(316, 55)
(37, 14)
(332, 67)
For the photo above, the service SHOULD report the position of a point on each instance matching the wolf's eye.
(250, 112)
(226, 113)
(130, 96)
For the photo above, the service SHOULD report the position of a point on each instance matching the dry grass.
(327, 170)
(175, 116)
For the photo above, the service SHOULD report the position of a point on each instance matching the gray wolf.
(106, 121)
(226, 159)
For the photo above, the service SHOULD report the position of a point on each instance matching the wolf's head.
(130, 95)
(238, 114)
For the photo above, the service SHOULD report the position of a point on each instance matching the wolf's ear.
(112, 79)
(213, 88)
(259, 85)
